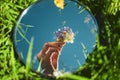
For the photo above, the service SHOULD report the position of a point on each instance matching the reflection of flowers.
(93, 30)
(87, 19)
(59, 3)
(65, 35)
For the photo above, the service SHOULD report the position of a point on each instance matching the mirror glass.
(39, 24)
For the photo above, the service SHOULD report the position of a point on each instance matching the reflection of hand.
(49, 56)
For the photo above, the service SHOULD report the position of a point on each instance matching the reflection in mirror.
(62, 38)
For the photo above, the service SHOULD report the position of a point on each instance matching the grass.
(102, 64)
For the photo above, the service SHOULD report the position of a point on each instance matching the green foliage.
(106, 6)
(11, 68)
(102, 64)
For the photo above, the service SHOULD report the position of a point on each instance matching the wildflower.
(64, 35)
(59, 3)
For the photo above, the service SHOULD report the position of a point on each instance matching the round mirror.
(38, 41)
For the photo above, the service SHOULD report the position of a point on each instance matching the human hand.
(49, 56)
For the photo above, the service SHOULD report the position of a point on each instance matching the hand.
(49, 56)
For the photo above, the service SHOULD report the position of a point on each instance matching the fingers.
(39, 55)
(54, 61)
(57, 45)
(49, 48)
(50, 51)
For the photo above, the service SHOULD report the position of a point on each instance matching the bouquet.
(64, 34)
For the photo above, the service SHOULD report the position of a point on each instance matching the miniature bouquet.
(64, 35)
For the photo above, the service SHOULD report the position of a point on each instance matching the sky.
(44, 18)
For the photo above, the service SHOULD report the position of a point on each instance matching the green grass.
(102, 64)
